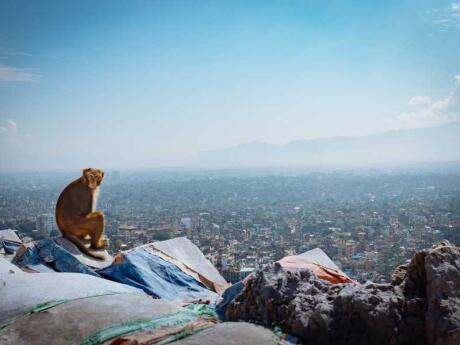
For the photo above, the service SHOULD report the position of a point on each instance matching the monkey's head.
(92, 177)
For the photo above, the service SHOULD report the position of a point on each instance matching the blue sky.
(120, 84)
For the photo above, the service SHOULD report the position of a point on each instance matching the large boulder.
(442, 268)
(420, 306)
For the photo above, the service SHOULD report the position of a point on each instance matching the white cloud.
(442, 21)
(9, 74)
(446, 17)
(455, 7)
(457, 80)
(428, 113)
(419, 101)
(8, 127)
(6, 52)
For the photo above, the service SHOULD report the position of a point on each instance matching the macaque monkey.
(76, 216)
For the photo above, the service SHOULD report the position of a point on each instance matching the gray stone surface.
(421, 306)
(442, 268)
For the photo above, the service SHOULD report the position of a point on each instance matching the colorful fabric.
(159, 331)
(47, 256)
(322, 272)
(139, 268)
(9, 246)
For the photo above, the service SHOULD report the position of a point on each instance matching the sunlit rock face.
(420, 306)
(442, 267)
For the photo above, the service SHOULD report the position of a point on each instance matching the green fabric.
(188, 314)
(45, 306)
(280, 337)
(180, 335)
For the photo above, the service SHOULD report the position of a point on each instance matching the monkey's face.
(92, 177)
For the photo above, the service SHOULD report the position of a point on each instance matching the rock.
(442, 266)
(399, 274)
(420, 306)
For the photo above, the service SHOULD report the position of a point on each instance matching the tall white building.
(45, 224)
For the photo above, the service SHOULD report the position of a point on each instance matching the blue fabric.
(157, 277)
(31, 259)
(154, 275)
(228, 296)
(46, 256)
(10, 247)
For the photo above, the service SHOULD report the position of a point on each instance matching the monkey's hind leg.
(93, 223)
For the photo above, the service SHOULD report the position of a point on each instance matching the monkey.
(76, 214)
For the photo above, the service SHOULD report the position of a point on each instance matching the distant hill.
(434, 144)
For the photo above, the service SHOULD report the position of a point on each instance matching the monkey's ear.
(102, 174)
(85, 171)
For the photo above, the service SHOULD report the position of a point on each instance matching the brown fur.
(76, 216)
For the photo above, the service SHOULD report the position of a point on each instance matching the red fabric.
(325, 273)
(154, 336)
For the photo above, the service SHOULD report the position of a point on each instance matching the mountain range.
(433, 144)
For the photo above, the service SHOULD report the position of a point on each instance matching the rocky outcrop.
(420, 306)
(442, 268)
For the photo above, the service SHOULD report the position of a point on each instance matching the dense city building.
(368, 223)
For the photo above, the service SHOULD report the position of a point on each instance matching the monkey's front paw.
(104, 243)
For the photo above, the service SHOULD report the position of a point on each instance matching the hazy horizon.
(122, 85)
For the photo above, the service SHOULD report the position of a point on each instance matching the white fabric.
(9, 235)
(318, 256)
(21, 292)
(183, 250)
(85, 259)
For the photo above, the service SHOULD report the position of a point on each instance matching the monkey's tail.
(79, 243)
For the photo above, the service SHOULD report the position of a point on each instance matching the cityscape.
(368, 222)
